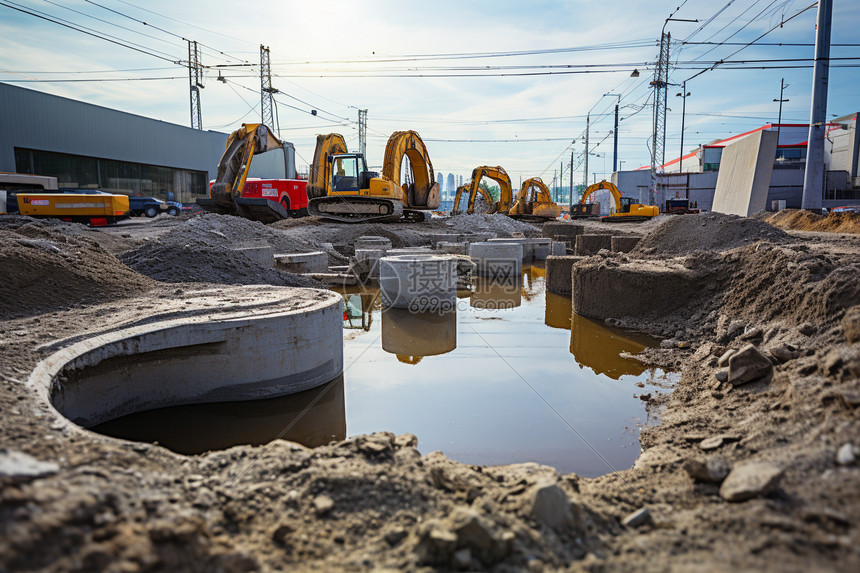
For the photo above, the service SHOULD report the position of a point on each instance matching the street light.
(684, 93)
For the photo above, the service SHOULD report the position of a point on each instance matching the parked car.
(150, 206)
(846, 209)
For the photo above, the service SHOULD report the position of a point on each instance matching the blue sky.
(525, 123)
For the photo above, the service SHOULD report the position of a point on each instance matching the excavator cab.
(626, 202)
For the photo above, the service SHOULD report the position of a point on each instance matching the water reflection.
(595, 345)
(414, 335)
(490, 294)
(534, 280)
(313, 418)
(358, 307)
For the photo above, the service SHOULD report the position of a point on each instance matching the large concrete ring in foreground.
(259, 342)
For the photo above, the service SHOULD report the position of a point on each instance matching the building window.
(122, 177)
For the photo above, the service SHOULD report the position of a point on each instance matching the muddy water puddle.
(509, 376)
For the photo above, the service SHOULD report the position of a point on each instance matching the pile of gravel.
(706, 232)
(498, 223)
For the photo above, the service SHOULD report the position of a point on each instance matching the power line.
(83, 30)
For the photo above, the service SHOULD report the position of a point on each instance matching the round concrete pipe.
(418, 282)
(288, 340)
(528, 246)
(371, 242)
(416, 334)
(314, 262)
(437, 238)
(496, 295)
(497, 260)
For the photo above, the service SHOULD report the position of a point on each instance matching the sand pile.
(800, 220)
(706, 232)
(48, 267)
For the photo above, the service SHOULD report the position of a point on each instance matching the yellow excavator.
(624, 210)
(534, 202)
(498, 175)
(341, 188)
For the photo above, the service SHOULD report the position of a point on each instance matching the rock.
(323, 504)
(19, 467)
(683, 344)
(668, 343)
(723, 360)
(747, 365)
(807, 329)
(711, 443)
(750, 480)
(851, 324)
(406, 441)
(395, 536)
(782, 353)
(551, 506)
(638, 518)
(462, 559)
(752, 334)
(845, 455)
(477, 533)
(735, 329)
(722, 374)
(713, 470)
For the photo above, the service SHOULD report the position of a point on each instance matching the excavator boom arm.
(319, 178)
(242, 145)
(425, 192)
(603, 185)
(500, 176)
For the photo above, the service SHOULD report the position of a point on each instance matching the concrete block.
(334, 279)
(410, 251)
(437, 238)
(452, 248)
(479, 237)
(246, 350)
(314, 262)
(372, 242)
(558, 249)
(418, 282)
(624, 244)
(542, 248)
(558, 273)
(497, 260)
(263, 256)
(590, 244)
(639, 289)
(410, 334)
(528, 246)
(562, 230)
(370, 259)
(746, 167)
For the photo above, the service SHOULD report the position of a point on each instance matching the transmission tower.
(362, 132)
(267, 92)
(660, 83)
(195, 84)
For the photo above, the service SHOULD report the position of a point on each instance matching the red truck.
(257, 178)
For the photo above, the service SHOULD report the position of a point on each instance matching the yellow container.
(92, 209)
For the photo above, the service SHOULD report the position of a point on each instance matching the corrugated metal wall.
(35, 120)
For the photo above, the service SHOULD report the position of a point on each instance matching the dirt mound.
(706, 232)
(228, 232)
(192, 263)
(801, 220)
(45, 269)
(498, 223)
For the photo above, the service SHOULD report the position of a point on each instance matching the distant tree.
(494, 192)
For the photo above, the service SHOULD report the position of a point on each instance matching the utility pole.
(195, 84)
(560, 183)
(782, 86)
(570, 198)
(684, 93)
(615, 133)
(587, 126)
(267, 92)
(362, 132)
(813, 178)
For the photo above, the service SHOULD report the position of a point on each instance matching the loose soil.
(802, 220)
(377, 503)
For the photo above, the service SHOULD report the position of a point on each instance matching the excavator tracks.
(351, 209)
